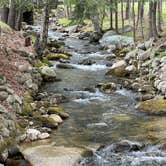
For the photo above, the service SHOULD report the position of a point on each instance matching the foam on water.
(93, 67)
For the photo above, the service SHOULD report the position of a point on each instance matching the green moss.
(58, 110)
(38, 63)
(160, 53)
(64, 21)
(46, 61)
(4, 27)
(46, 122)
(57, 56)
(153, 106)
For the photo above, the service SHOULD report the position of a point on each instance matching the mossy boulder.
(59, 111)
(47, 122)
(109, 87)
(154, 107)
(38, 63)
(57, 56)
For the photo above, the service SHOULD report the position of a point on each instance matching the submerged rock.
(156, 107)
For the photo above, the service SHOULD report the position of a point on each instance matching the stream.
(97, 118)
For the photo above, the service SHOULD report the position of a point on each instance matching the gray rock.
(3, 95)
(131, 69)
(118, 40)
(48, 73)
(118, 68)
(32, 134)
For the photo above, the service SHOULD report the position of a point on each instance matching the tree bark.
(134, 26)
(159, 15)
(111, 14)
(4, 14)
(127, 10)
(122, 16)
(12, 14)
(44, 35)
(19, 20)
(116, 17)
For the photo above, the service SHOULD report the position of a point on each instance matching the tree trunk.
(19, 19)
(159, 16)
(150, 19)
(155, 32)
(111, 15)
(96, 24)
(122, 15)
(116, 17)
(127, 10)
(133, 13)
(12, 14)
(44, 35)
(4, 14)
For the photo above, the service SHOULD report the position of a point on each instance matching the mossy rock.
(109, 86)
(57, 56)
(42, 103)
(38, 63)
(59, 111)
(154, 107)
(47, 122)
(4, 27)
(47, 62)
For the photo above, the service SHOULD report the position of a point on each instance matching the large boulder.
(118, 68)
(48, 73)
(110, 38)
(156, 107)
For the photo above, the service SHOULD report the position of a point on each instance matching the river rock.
(131, 69)
(145, 55)
(24, 68)
(56, 118)
(125, 146)
(87, 62)
(2, 80)
(43, 136)
(32, 134)
(154, 106)
(109, 87)
(64, 66)
(118, 68)
(118, 40)
(3, 95)
(48, 73)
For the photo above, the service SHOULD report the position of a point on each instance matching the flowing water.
(97, 118)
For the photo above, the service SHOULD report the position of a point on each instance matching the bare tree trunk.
(12, 14)
(111, 15)
(150, 19)
(116, 17)
(127, 10)
(122, 15)
(19, 20)
(44, 35)
(134, 26)
(159, 16)
(4, 14)
(96, 24)
(155, 32)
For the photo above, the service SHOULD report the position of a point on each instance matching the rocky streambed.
(102, 110)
